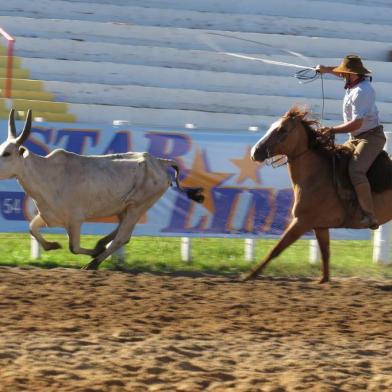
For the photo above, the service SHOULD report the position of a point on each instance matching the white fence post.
(382, 236)
(249, 249)
(381, 245)
(35, 249)
(314, 252)
(186, 249)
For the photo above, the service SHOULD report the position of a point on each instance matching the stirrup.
(370, 221)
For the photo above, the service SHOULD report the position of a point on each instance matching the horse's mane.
(317, 140)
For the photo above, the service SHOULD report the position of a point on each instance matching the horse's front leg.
(322, 236)
(291, 234)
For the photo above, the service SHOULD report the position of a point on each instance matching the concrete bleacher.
(160, 62)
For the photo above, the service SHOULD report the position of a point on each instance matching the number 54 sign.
(13, 205)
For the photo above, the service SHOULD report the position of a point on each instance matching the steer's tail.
(195, 194)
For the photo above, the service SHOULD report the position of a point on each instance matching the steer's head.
(11, 150)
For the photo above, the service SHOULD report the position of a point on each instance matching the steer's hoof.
(52, 246)
(98, 251)
(92, 266)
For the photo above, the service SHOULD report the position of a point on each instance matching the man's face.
(345, 76)
(348, 77)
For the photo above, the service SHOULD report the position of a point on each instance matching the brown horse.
(317, 205)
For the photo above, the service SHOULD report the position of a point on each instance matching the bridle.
(279, 160)
(297, 156)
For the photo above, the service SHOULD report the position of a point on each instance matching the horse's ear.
(295, 119)
(299, 119)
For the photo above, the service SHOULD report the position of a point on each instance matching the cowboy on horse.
(367, 138)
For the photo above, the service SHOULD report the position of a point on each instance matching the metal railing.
(10, 57)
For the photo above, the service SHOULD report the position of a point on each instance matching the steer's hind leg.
(101, 244)
(127, 223)
(121, 235)
(36, 223)
(121, 238)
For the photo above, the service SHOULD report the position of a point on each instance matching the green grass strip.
(209, 255)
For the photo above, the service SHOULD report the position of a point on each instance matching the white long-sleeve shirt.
(360, 102)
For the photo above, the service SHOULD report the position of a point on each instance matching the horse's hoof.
(323, 280)
(248, 276)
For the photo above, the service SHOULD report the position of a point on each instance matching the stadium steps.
(188, 40)
(16, 73)
(134, 52)
(199, 73)
(17, 70)
(163, 99)
(174, 119)
(27, 84)
(67, 78)
(38, 115)
(29, 94)
(123, 11)
(188, 99)
(164, 57)
(43, 106)
(102, 28)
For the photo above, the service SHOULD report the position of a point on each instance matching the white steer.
(69, 189)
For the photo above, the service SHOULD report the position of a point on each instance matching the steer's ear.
(11, 125)
(26, 130)
(22, 150)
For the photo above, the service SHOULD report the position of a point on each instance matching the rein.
(284, 160)
(298, 155)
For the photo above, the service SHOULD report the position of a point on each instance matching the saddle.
(379, 174)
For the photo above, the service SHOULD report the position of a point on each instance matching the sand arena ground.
(71, 330)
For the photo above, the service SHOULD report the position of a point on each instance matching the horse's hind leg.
(322, 236)
(291, 234)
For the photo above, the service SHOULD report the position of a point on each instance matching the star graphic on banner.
(200, 176)
(248, 168)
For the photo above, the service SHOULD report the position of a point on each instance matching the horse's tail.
(195, 194)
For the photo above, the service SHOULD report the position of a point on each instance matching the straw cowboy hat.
(352, 64)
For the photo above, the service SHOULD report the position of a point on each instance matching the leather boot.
(365, 200)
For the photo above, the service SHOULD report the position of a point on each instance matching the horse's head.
(283, 137)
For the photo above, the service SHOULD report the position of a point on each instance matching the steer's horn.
(26, 130)
(11, 125)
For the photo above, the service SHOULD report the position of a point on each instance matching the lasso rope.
(310, 75)
(306, 74)
(273, 62)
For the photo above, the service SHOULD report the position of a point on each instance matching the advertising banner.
(242, 198)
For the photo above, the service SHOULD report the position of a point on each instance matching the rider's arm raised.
(326, 70)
